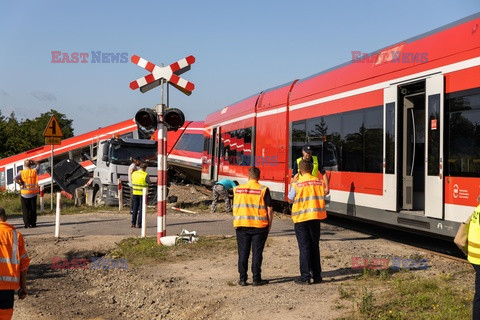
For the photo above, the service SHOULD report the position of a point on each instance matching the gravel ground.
(204, 287)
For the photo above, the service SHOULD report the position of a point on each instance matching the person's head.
(307, 152)
(27, 163)
(137, 161)
(143, 166)
(235, 182)
(3, 215)
(254, 173)
(305, 166)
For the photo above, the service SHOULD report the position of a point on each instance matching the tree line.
(17, 136)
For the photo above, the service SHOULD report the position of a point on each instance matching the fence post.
(144, 211)
(57, 216)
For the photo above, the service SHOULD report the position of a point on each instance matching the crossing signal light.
(173, 118)
(146, 120)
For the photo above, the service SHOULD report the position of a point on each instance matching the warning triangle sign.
(53, 128)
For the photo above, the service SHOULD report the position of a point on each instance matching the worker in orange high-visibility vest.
(28, 181)
(252, 220)
(14, 262)
(308, 198)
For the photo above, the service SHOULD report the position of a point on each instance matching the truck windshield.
(123, 154)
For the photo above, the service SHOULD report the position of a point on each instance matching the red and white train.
(182, 147)
(398, 132)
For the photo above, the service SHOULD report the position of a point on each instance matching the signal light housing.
(173, 119)
(146, 120)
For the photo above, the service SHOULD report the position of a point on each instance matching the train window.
(462, 137)
(236, 147)
(190, 142)
(9, 176)
(373, 139)
(350, 141)
(390, 138)
(2, 179)
(434, 135)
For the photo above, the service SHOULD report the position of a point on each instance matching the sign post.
(158, 76)
(53, 135)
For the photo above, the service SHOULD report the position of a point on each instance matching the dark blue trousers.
(251, 239)
(137, 210)
(476, 297)
(308, 238)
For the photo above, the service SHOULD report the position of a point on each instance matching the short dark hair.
(254, 173)
(144, 165)
(305, 166)
(235, 182)
(3, 214)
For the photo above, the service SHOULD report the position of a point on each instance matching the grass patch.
(409, 296)
(141, 251)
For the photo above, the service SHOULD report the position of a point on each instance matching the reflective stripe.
(473, 244)
(248, 205)
(8, 260)
(309, 198)
(474, 255)
(250, 218)
(308, 211)
(15, 248)
(23, 256)
(9, 279)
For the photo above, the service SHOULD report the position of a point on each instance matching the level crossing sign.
(169, 73)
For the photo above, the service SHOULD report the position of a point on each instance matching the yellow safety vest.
(13, 257)
(249, 209)
(139, 181)
(315, 166)
(30, 181)
(474, 237)
(309, 202)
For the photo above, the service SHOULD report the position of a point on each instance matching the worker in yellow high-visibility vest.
(474, 257)
(140, 180)
(28, 181)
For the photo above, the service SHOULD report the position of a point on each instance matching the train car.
(397, 130)
(185, 152)
(184, 146)
(72, 148)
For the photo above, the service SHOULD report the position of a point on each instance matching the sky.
(240, 47)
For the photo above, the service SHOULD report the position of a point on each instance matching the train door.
(215, 154)
(434, 147)
(420, 146)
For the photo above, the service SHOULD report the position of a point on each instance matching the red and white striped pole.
(162, 176)
(42, 199)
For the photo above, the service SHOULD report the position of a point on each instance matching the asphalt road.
(112, 223)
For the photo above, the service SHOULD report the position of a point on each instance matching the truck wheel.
(98, 200)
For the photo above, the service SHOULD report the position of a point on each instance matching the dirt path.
(203, 287)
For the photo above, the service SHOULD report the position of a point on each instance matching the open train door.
(434, 146)
(390, 148)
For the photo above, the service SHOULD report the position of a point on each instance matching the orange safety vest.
(249, 209)
(13, 257)
(309, 202)
(30, 181)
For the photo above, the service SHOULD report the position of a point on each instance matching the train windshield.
(123, 153)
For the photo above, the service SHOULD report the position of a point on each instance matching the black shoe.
(33, 226)
(132, 226)
(319, 280)
(26, 227)
(302, 282)
(242, 283)
(139, 226)
(260, 283)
